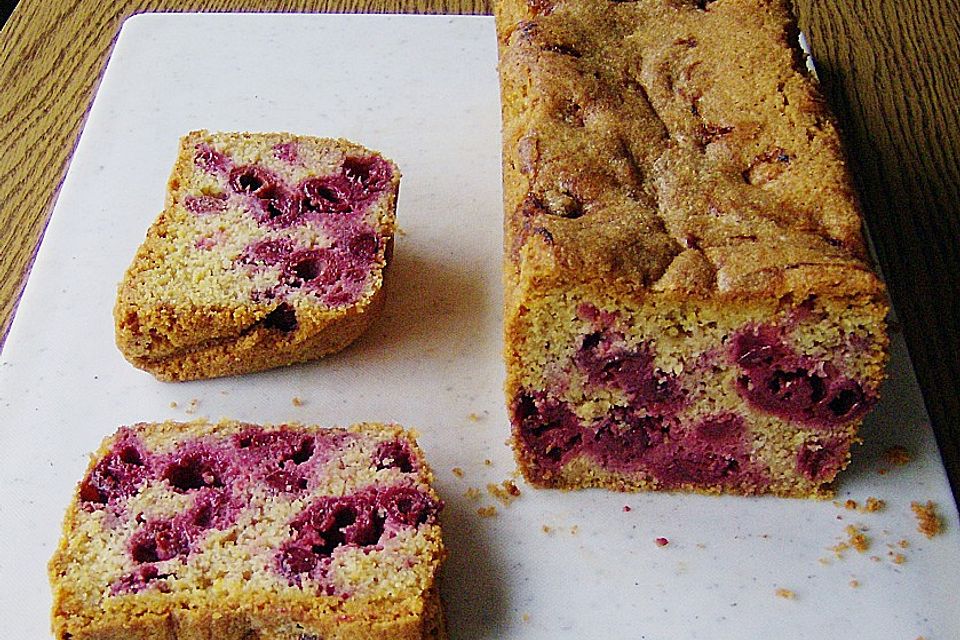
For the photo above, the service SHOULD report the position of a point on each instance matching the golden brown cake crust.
(689, 303)
(675, 147)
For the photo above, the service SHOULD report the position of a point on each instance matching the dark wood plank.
(891, 71)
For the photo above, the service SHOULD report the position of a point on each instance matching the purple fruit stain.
(253, 179)
(196, 467)
(548, 429)
(118, 475)
(286, 151)
(819, 461)
(393, 454)
(778, 381)
(358, 520)
(204, 204)
(608, 364)
(209, 159)
(159, 540)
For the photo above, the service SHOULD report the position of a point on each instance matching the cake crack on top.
(672, 183)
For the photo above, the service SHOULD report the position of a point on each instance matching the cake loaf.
(271, 250)
(689, 300)
(236, 531)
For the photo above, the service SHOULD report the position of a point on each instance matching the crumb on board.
(787, 594)
(928, 521)
(472, 493)
(856, 538)
(897, 455)
(574, 530)
(872, 505)
(487, 512)
(661, 541)
(173, 404)
(525, 617)
(473, 416)
(192, 407)
(897, 558)
(854, 583)
(457, 471)
(903, 544)
(488, 462)
(546, 529)
(506, 492)
(626, 508)
(296, 401)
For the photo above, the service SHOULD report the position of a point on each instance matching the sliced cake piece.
(271, 250)
(689, 299)
(236, 531)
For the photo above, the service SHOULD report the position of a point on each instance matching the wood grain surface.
(891, 71)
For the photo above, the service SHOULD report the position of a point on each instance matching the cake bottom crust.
(261, 349)
(259, 621)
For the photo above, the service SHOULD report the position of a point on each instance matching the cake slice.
(271, 250)
(236, 531)
(689, 300)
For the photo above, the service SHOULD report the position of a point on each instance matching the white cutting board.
(424, 91)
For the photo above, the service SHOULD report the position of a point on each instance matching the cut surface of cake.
(271, 249)
(236, 531)
(689, 300)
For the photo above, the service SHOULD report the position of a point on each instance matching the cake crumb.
(488, 462)
(487, 512)
(873, 505)
(546, 529)
(173, 404)
(897, 455)
(857, 539)
(473, 417)
(574, 530)
(472, 493)
(192, 408)
(850, 505)
(928, 521)
(296, 401)
(626, 508)
(661, 542)
(457, 471)
(506, 492)
(897, 558)
(854, 583)
(903, 544)
(525, 617)
(786, 594)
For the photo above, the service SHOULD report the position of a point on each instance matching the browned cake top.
(675, 146)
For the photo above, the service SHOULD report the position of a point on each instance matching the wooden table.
(891, 70)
